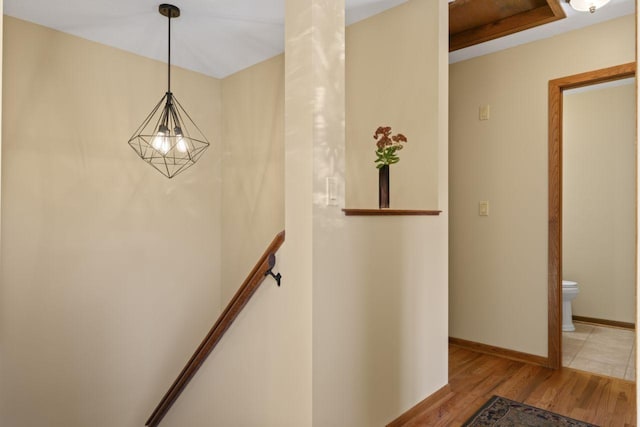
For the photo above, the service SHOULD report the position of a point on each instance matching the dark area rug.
(499, 411)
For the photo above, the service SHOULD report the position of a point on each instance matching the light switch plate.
(483, 208)
(484, 112)
(332, 191)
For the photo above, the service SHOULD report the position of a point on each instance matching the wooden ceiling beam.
(501, 27)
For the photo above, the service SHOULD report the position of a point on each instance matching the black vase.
(383, 186)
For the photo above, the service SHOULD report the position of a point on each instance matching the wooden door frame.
(556, 87)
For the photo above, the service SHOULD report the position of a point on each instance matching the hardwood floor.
(475, 377)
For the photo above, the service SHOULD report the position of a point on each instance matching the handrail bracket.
(269, 272)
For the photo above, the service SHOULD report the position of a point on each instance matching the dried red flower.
(387, 146)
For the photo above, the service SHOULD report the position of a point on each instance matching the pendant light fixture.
(168, 139)
(587, 5)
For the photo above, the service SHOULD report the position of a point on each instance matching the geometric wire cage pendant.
(168, 139)
(165, 141)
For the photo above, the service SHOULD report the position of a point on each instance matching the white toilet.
(569, 292)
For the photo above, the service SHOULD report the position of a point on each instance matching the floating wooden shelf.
(388, 212)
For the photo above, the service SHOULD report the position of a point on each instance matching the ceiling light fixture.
(164, 140)
(587, 5)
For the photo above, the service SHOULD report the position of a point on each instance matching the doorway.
(556, 88)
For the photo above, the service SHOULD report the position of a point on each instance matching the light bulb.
(181, 145)
(157, 140)
(161, 140)
(166, 146)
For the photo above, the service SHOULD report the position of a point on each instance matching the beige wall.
(357, 333)
(498, 264)
(252, 167)
(599, 203)
(110, 271)
(250, 379)
(386, 83)
(362, 315)
(380, 283)
(260, 374)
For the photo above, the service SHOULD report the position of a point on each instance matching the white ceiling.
(214, 37)
(220, 37)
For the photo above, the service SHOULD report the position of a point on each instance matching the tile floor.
(601, 350)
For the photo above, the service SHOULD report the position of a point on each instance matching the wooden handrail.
(226, 318)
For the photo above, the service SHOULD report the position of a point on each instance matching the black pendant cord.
(169, 57)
